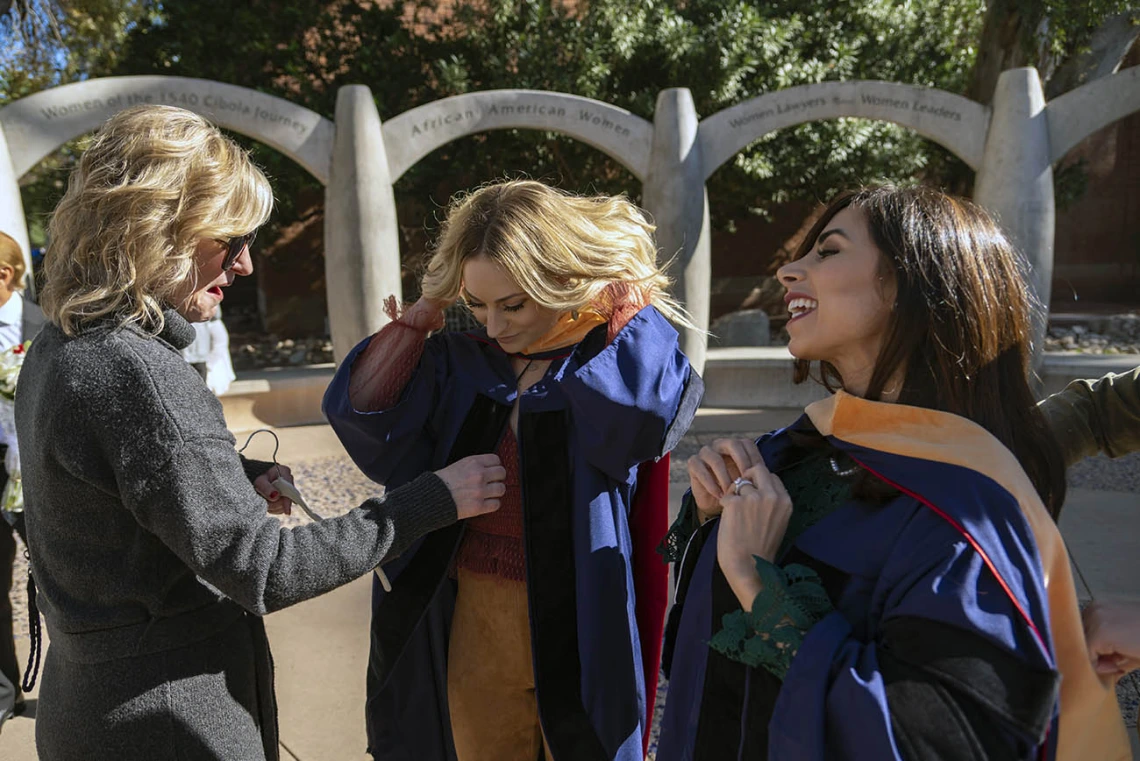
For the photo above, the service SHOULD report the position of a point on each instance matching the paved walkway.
(321, 646)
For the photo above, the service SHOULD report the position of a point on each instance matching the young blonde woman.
(149, 538)
(535, 631)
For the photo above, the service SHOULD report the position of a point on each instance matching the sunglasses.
(234, 247)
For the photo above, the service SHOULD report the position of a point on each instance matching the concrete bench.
(276, 397)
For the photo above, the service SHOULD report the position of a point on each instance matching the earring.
(573, 314)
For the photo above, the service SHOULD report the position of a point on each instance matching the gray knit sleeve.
(201, 506)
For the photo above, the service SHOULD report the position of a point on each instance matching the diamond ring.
(738, 483)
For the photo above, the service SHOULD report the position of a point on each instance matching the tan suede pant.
(490, 676)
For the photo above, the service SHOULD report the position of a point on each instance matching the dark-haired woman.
(883, 579)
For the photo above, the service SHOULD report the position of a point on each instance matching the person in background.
(1113, 631)
(1092, 416)
(151, 548)
(209, 354)
(20, 321)
(1089, 417)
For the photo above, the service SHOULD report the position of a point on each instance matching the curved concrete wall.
(32, 127)
(38, 124)
(1079, 113)
(614, 131)
(1012, 145)
(959, 124)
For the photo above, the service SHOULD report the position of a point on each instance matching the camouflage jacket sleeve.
(1092, 416)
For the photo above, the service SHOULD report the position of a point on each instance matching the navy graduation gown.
(583, 429)
(939, 645)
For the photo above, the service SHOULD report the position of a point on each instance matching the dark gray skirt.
(206, 701)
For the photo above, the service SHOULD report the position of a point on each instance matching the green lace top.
(792, 598)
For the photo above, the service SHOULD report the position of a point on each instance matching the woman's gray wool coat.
(155, 558)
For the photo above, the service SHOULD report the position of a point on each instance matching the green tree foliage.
(620, 51)
(1048, 34)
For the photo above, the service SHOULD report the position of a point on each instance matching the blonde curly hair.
(563, 250)
(155, 181)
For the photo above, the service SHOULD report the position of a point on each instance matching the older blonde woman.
(543, 634)
(151, 548)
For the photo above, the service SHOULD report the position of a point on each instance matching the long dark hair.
(961, 321)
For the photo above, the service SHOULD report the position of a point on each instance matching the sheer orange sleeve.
(383, 369)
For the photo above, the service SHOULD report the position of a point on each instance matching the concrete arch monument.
(342, 157)
(614, 131)
(957, 123)
(389, 149)
(1012, 145)
(33, 127)
(951, 120)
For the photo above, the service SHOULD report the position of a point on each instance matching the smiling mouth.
(798, 308)
(216, 291)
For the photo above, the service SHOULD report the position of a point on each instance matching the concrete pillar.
(674, 193)
(362, 245)
(1015, 181)
(12, 219)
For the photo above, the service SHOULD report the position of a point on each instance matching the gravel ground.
(254, 351)
(1100, 472)
(1118, 334)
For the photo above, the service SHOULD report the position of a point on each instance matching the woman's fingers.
(700, 475)
(759, 471)
(741, 452)
(277, 504)
(426, 314)
(717, 467)
(476, 484)
(703, 484)
(755, 520)
(763, 480)
(282, 506)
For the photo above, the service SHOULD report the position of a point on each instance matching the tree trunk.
(1001, 46)
(1106, 50)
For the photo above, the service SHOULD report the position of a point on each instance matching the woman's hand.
(476, 483)
(713, 469)
(1112, 631)
(426, 314)
(278, 504)
(752, 522)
